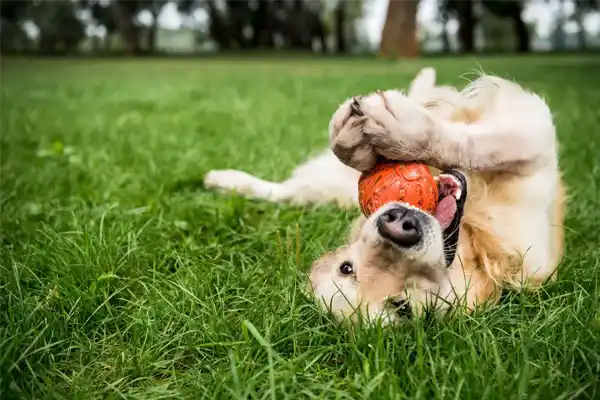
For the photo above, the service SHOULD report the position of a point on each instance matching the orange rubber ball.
(390, 181)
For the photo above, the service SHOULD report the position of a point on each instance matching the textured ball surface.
(411, 183)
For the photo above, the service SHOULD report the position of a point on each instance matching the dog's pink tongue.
(445, 210)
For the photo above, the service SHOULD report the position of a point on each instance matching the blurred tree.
(118, 16)
(59, 28)
(463, 11)
(340, 16)
(512, 9)
(443, 17)
(101, 15)
(121, 16)
(14, 10)
(467, 22)
(13, 14)
(582, 8)
(497, 33)
(257, 23)
(123, 13)
(399, 34)
(299, 26)
(263, 25)
(346, 15)
(154, 7)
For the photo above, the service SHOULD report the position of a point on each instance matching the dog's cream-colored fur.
(501, 136)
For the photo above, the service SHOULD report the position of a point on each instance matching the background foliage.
(322, 26)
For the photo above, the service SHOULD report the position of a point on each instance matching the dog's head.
(394, 265)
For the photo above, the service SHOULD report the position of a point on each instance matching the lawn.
(122, 277)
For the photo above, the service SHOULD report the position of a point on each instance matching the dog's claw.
(355, 108)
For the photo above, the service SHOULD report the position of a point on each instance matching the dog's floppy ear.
(422, 83)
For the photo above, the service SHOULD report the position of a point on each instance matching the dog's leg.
(422, 85)
(247, 185)
(515, 128)
(320, 180)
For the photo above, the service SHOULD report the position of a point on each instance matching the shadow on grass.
(188, 184)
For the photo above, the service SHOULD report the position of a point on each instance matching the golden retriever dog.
(499, 221)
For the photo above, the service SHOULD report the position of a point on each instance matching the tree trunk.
(340, 27)
(512, 10)
(523, 43)
(561, 19)
(153, 32)
(259, 24)
(108, 41)
(269, 32)
(47, 43)
(399, 35)
(218, 28)
(321, 33)
(445, 37)
(236, 22)
(296, 27)
(95, 44)
(581, 38)
(581, 34)
(124, 21)
(466, 28)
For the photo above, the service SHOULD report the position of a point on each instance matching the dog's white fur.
(499, 135)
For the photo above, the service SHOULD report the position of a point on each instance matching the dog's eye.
(346, 268)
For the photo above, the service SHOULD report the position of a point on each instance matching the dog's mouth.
(452, 188)
(450, 193)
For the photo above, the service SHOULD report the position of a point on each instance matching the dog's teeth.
(455, 180)
(458, 194)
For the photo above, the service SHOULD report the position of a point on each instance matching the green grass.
(122, 277)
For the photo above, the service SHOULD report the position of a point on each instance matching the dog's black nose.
(400, 225)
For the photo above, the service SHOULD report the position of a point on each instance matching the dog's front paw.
(383, 124)
(347, 137)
